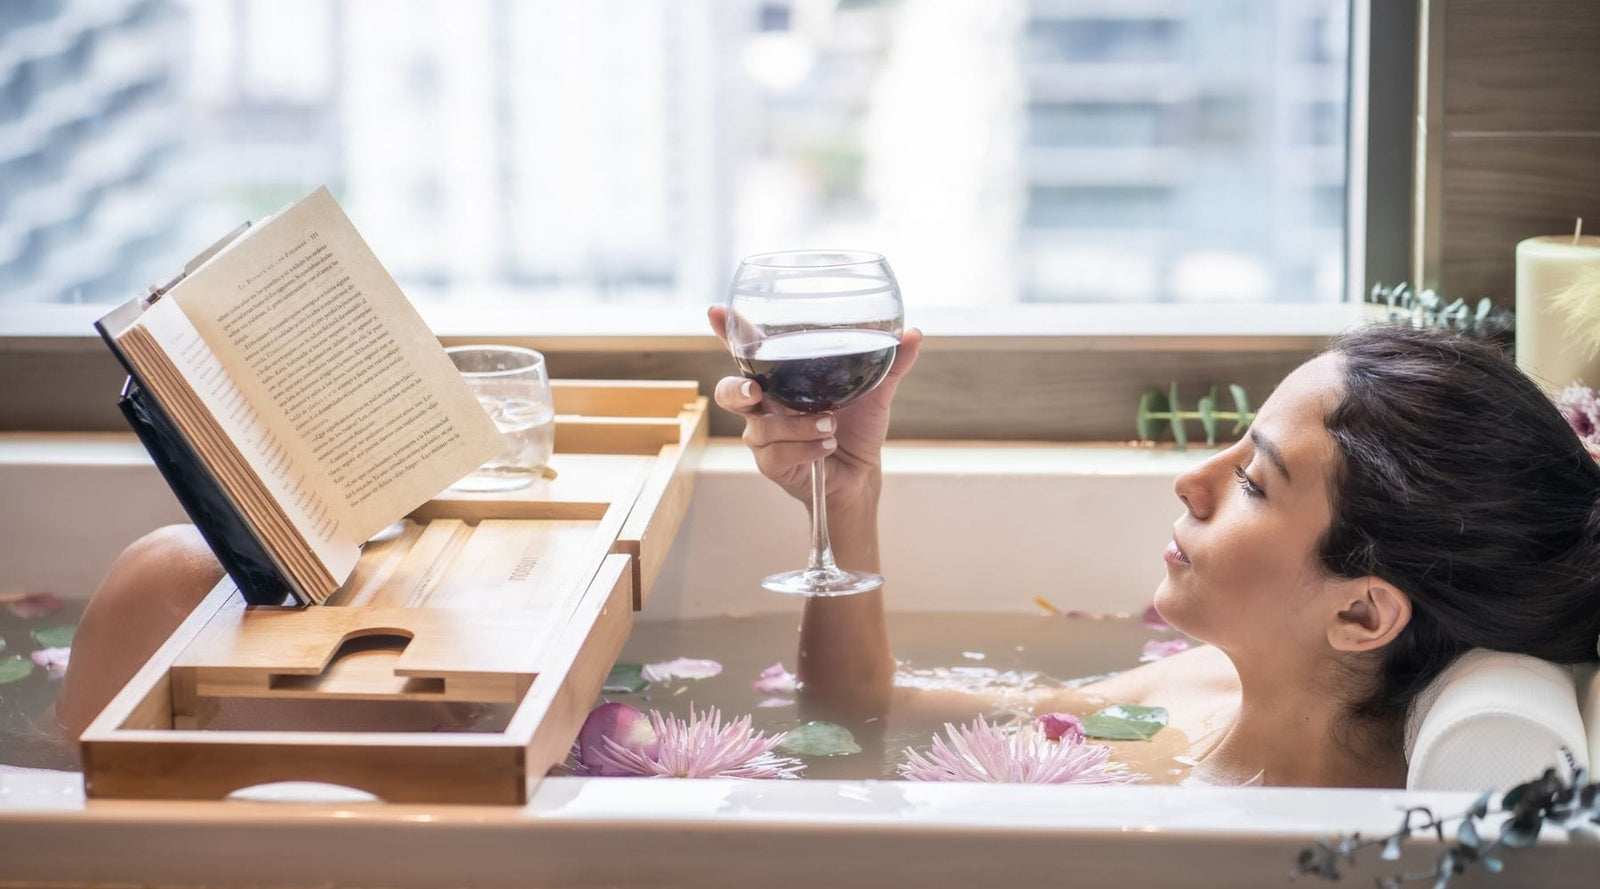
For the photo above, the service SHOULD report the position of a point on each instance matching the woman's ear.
(1371, 613)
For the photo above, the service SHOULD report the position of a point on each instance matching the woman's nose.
(1193, 488)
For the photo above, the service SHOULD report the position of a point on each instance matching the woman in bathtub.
(1400, 499)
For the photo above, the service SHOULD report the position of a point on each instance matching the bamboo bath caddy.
(458, 661)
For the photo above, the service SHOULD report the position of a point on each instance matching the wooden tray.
(458, 661)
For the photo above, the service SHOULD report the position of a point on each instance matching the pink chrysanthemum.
(1580, 405)
(702, 747)
(993, 754)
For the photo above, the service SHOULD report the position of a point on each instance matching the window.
(626, 152)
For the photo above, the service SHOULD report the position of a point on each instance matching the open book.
(294, 400)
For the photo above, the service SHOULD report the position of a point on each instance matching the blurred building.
(586, 151)
(1185, 151)
(92, 125)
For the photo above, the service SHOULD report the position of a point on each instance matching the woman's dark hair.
(1463, 485)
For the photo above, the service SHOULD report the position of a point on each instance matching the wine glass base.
(822, 582)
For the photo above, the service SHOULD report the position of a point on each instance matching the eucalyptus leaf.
(14, 668)
(59, 636)
(2, 643)
(1480, 807)
(819, 738)
(1492, 864)
(1125, 722)
(1178, 434)
(1241, 405)
(626, 678)
(1208, 418)
(1391, 848)
(1520, 832)
(1467, 834)
(1151, 427)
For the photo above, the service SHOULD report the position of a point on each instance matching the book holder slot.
(512, 605)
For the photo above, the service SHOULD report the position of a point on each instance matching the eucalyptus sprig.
(1426, 308)
(1548, 799)
(1158, 412)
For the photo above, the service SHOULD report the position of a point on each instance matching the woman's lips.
(1174, 554)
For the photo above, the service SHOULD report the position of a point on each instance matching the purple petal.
(775, 680)
(1156, 649)
(1154, 620)
(53, 660)
(681, 668)
(32, 605)
(619, 725)
(1063, 727)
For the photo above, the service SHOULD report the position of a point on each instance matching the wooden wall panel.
(1528, 65)
(1518, 123)
(1500, 189)
(1001, 393)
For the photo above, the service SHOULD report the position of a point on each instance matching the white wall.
(965, 527)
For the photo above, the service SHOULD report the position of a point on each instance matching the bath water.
(952, 667)
(27, 734)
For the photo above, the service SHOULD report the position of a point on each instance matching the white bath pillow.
(1589, 708)
(1493, 720)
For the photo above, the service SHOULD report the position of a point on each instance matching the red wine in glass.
(819, 369)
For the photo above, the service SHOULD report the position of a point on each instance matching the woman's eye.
(1250, 488)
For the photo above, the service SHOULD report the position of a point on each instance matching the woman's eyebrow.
(1265, 446)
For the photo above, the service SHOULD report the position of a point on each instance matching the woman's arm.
(845, 664)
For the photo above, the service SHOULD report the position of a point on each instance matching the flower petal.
(619, 725)
(681, 668)
(1154, 620)
(1156, 649)
(33, 605)
(775, 680)
(1063, 727)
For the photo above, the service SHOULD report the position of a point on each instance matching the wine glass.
(817, 329)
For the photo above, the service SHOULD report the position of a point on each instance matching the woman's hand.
(786, 442)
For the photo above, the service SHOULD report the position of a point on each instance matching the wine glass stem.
(821, 550)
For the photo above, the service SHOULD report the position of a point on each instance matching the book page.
(297, 496)
(354, 388)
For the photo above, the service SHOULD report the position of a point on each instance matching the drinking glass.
(817, 330)
(514, 388)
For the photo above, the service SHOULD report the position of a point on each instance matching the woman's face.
(1242, 569)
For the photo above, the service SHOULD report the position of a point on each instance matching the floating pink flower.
(53, 660)
(993, 754)
(1156, 649)
(681, 668)
(613, 723)
(32, 605)
(701, 747)
(1062, 727)
(775, 680)
(1154, 620)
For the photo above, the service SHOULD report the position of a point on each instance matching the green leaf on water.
(1125, 722)
(14, 668)
(818, 738)
(59, 636)
(626, 678)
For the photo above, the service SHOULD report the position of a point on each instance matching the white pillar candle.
(1553, 346)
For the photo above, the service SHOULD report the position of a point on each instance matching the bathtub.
(1081, 526)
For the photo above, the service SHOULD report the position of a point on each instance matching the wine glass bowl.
(817, 330)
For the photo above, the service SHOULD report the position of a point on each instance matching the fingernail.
(829, 444)
(744, 389)
(825, 424)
